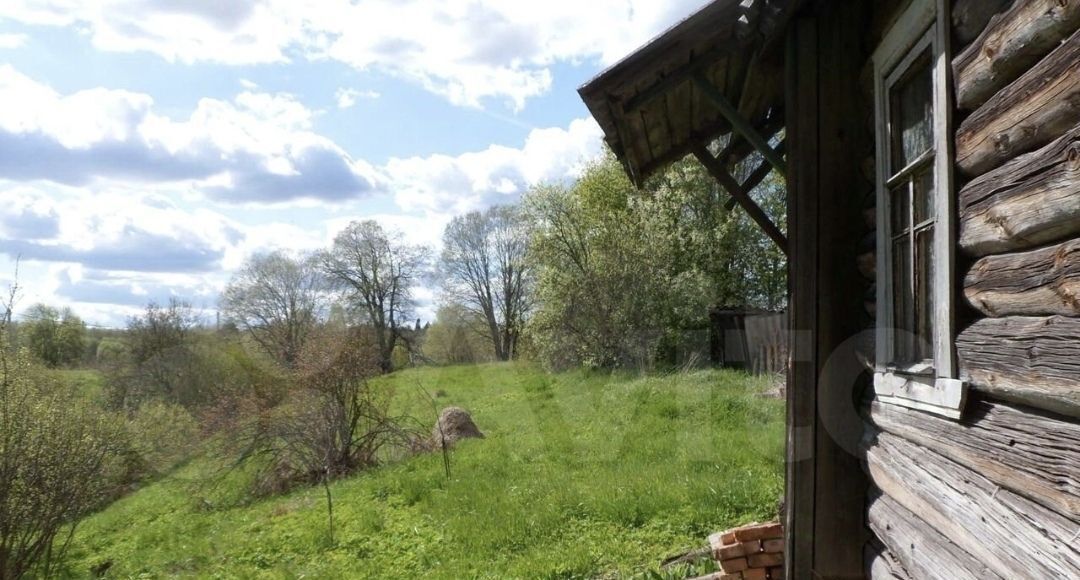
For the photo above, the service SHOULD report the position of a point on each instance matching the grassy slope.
(581, 475)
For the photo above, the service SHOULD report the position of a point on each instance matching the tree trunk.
(1013, 42)
(1031, 453)
(922, 551)
(1036, 109)
(1036, 283)
(1030, 360)
(1031, 200)
(1012, 536)
(969, 17)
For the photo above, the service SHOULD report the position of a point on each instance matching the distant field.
(580, 476)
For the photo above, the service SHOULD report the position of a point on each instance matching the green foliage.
(54, 337)
(622, 273)
(55, 452)
(581, 475)
(453, 339)
(160, 435)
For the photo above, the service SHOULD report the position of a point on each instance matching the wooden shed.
(932, 155)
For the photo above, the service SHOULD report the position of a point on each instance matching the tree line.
(598, 273)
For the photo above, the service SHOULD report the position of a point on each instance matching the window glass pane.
(924, 195)
(903, 315)
(924, 293)
(911, 109)
(900, 211)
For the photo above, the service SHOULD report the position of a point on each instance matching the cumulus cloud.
(445, 184)
(259, 147)
(346, 98)
(114, 232)
(462, 50)
(90, 286)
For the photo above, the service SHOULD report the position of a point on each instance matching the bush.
(54, 454)
(333, 422)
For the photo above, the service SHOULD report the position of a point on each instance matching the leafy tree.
(55, 337)
(452, 339)
(484, 268)
(277, 299)
(160, 361)
(377, 270)
(622, 273)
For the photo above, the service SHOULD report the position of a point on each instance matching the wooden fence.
(752, 340)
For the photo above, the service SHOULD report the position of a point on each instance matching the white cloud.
(10, 40)
(463, 50)
(259, 147)
(442, 184)
(347, 97)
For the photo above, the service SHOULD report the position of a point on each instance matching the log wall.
(997, 494)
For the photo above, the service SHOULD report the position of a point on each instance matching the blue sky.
(149, 147)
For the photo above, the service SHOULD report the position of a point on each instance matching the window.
(915, 247)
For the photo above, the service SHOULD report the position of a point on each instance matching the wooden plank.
(1037, 283)
(1039, 107)
(712, 165)
(922, 551)
(970, 17)
(882, 565)
(1030, 200)
(740, 123)
(755, 178)
(1030, 360)
(1012, 535)
(840, 526)
(1032, 453)
(801, 112)
(1013, 42)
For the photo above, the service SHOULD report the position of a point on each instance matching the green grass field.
(581, 476)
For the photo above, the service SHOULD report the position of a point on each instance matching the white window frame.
(933, 388)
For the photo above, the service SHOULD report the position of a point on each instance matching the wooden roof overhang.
(717, 72)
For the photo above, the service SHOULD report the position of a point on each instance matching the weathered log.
(1034, 454)
(1036, 283)
(922, 551)
(969, 17)
(1012, 535)
(882, 565)
(1031, 112)
(1014, 41)
(1029, 201)
(1029, 360)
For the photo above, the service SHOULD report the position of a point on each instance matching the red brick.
(765, 560)
(773, 546)
(759, 532)
(751, 547)
(730, 552)
(735, 576)
(734, 565)
(728, 537)
(776, 573)
(755, 574)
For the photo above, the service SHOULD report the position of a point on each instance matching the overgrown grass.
(581, 475)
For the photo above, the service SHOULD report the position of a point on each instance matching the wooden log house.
(932, 155)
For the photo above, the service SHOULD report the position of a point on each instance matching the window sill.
(935, 395)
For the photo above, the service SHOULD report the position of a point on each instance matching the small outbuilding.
(932, 155)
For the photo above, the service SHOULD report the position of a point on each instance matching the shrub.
(54, 454)
(333, 422)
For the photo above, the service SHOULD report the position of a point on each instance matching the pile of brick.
(751, 552)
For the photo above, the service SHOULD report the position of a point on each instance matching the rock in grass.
(454, 423)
